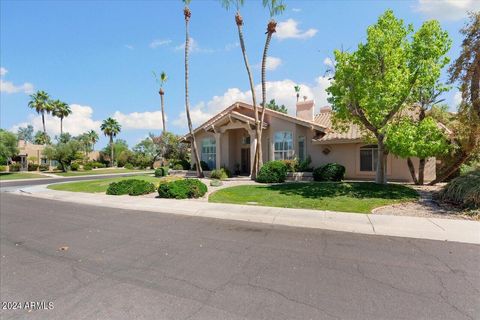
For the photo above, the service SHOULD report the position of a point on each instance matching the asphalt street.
(99, 263)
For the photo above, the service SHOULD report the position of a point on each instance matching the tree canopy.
(8, 146)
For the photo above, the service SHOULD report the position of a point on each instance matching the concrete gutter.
(54, 176)
(411, 227)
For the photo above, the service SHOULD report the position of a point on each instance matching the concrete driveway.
(105, 263)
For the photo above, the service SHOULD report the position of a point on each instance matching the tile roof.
(324, 119)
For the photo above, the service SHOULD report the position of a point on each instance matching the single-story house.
(228, 140)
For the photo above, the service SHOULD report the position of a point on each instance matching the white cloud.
(289, 30)
(140, 120)
(328, 62)
(76, 123)
(159, 42)
(129, 46)
(282, 91)
(10, 87)
(3, 71)
(231, 46)
(446, 9)
(194, 47)
(273, 63)
(297, 10)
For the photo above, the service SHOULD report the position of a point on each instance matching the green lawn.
(94, 172)
(359, 197)
(101, 185)
(20, 175)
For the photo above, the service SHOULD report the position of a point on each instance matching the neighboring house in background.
(228, 140)
(33, 153)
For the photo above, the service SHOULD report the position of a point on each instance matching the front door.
(245, 161)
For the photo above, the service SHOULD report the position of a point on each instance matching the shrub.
(219, 174)
(216, 183)
(463, 191)
(178, 166)
(88, 167)
(133, 187)
(75, 166)
(182, 189)
(32, 167)
(128, 166)
(329, 172)
(3, 168)
(304, 166)
(44, 167)
(203, 164)
(96, 164)
(291, 165)
(227, 171)
(59, 167)
(15, 167)
(180, 162)
(161, 172)
(272, 172)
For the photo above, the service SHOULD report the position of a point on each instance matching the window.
(368, 158)
(209, 152)
(246, 140)
(301, 148)
(283, 145)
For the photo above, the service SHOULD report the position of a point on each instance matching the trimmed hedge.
(96, 164)
(329, 172)
(75, 166)
(32, 167)
(44, 167)
(182, 189)
(128, 166)
(87, 166)
(272, 172)
(14, 167)
(161, 172)
(463, 191)
(219, 174)
(132, 187)
(176, 164)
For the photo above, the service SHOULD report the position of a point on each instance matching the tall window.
(301, 148)
(209, 152)
(283, 144)
(368, 158)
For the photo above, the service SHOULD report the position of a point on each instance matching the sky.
(99, 56)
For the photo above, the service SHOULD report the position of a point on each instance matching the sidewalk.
(48, 176)
(401, 226)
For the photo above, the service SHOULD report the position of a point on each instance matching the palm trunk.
(187, 14)
(43, 122)
(258, 154)
(411, 168)
(381, 176)
(111, 151)
(239, 22)
(61, 126)
(163, 110)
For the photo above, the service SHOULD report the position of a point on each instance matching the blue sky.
(99, 56)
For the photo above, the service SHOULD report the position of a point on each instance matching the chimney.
(325, 109)
(305, 110)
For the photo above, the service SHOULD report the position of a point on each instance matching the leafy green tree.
(60, 110)
(42, 138)
(119, 146)
(110, 127)
(148, 149)
(187, 14)
(8, 146)
(274, 106)
(373, 84)
(40, 101)
(465, 71)
(64, 153)
(25, 133)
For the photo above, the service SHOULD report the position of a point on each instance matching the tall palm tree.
(274, 7)
(60, 110)
(239, 23)
(40, 102)
(187, 13)
(93, 137)
(110, 128)
(163, 78)
(297, 91)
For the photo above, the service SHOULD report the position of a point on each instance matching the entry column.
(217, 151)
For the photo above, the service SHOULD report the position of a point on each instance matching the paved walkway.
(402, 226)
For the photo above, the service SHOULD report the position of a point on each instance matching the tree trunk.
(421, 171)
(163, 112)
(381, 176)
(454, 167)
(187, 14)
(111, 151)
(258, 150)
(239, 22)
(411, 168)
(61, 126)
(43, 122)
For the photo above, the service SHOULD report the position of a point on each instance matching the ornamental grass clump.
(463, 191)
(132, 187)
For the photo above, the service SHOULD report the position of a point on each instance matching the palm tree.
(297, 90)
(163, 78)
(40, 102)
(93, 137)
(60, 110)
(110, 128)
(187, 13)
(275, 7)
(239, 23)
